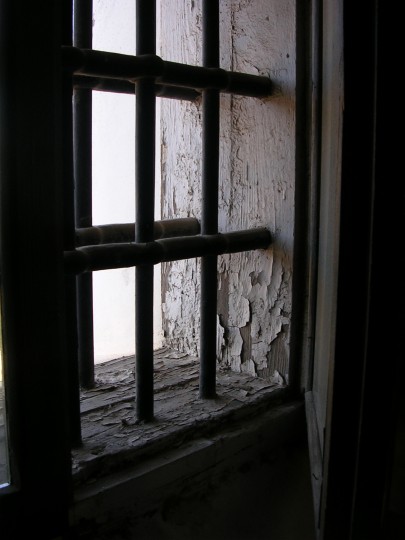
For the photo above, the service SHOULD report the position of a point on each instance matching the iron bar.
(144, 210)
(131, 68)
(209, 210)
(109, 256)
(118, 86)
(82, 159)
(69, 243)
(125, 232)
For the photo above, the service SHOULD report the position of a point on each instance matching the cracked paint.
(256, 185)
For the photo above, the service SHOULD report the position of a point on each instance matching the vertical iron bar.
(82, 145)
(145, 202)
(209, 217)
(69, 240)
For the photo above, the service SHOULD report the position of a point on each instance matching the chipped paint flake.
(249, 367)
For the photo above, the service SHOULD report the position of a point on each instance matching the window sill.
(124, 467)
(111, 435)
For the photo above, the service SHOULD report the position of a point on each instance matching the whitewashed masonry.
(257, 163)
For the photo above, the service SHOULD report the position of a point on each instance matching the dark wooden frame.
(33, 288)
(364, 411)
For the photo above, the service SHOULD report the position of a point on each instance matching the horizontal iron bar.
(125, 232)
(130, 68)
(118, 86)
(109, 256)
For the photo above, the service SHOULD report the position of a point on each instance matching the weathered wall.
(256, 183)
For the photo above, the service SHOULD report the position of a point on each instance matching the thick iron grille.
(149, 242)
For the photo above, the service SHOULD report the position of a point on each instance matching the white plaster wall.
(114, 187)
(256, 183)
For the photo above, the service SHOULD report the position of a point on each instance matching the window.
(180, 332)
(255, 311)
(344, 149)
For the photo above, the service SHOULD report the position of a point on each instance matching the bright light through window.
(114, 188)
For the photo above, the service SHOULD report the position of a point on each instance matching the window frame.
(42, 492)
(40, 465)
(34, 339)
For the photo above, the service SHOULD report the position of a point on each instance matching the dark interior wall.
(395, 521)
(253, 483)
(268, 498)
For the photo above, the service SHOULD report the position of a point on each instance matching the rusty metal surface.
(102, 257)
(92, 63)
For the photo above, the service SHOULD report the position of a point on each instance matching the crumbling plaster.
(256, 187)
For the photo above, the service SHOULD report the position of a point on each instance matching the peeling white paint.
(257, 146)
(239, 306)
(249, 367)
(233, 349)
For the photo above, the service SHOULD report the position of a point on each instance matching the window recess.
(46, 182)
(147, 242)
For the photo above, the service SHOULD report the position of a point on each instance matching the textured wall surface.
(256, 183)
